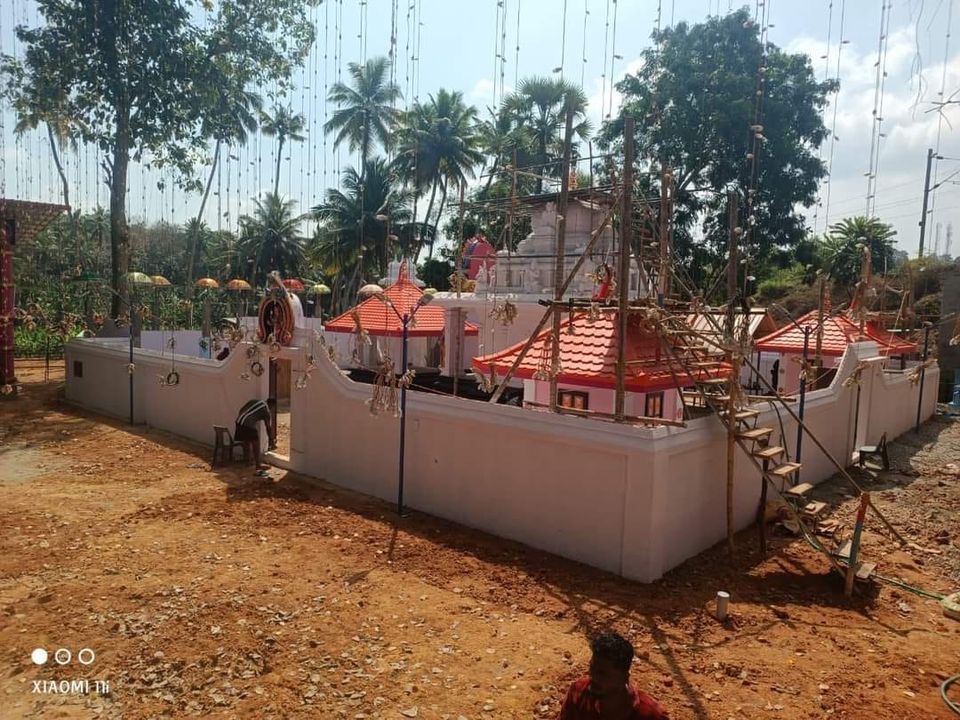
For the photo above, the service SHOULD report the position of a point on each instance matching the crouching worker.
(250, 414)
(606, 693)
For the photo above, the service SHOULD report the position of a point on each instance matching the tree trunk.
(192, 259)
(543, 164)
(56, 161)
(119, 232)
(276, 182)
(426, 218)
(443, 201)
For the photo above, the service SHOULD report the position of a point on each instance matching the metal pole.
(129, 368)
(923, 370)
(623, 284)
(803, 394)
(926, 197)
(403, 415)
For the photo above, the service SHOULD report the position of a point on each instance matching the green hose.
(943, 693)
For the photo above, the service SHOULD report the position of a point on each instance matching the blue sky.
(458, 41)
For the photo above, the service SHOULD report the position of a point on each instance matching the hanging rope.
(877, 113)
(613, 57)
(836, 104)
(823, 112)
(583, 46)
(940, 115)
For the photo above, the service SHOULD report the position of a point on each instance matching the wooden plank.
(786, 469)
(754, 433)
(742, 415)
(813, 509)
(768, 452)
(866, 570)
(714, 381)
(844, 551)
(798, 491)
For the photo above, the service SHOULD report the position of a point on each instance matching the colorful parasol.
(293, 284)
(137, 278)
(319, 289)
(207, 283)
(159, 281)
(238, 284)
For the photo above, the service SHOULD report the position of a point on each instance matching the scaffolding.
(720, 339)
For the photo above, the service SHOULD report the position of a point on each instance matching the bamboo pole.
(734, 360)
(561, 249)
(664, 289)
(623, 284)
(457, 350)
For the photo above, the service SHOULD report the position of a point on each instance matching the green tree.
(270, 238)
(285, 125)
(361, 228)
(842, 248)
(230, 121)
(541, 104)
(365, 111)
(134, 78)
(501, 138)
(438, 147)
(694, 101)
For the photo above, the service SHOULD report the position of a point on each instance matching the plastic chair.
(223, 445)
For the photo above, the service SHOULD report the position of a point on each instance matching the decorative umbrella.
(238, 285)
(137, 278)
(159, 281)
(207, 283)
(319, 289)
(370, 290)
(293, 284)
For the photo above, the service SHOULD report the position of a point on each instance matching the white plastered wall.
(634, 501)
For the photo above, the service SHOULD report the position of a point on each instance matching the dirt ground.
(214, 594)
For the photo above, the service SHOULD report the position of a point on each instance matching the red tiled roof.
(379, 320)
(588, 357)
(838, 332)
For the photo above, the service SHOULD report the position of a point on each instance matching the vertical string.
(833, 127)
(941, 98)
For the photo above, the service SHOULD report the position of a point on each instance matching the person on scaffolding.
(606, 691)
(246, 431)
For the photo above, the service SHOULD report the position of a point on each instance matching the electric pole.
(926, 198)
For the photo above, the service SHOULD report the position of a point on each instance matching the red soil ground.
(213, 594)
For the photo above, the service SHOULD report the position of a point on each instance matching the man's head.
(610, 664)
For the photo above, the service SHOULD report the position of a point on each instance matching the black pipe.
(803, 394)
(923, 369)
(403, 414)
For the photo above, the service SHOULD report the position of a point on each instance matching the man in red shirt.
(606, 693)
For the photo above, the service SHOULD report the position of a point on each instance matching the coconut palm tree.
(841, 248)
(501, 136)
(361, 228)
(230, 121)
(285, 125)
(270, 239)
(439, 147)
(541, 104)
(365, 113)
